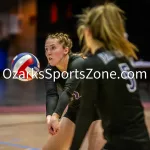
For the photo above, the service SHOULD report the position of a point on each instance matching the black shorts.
(73, 110)
(128, 146)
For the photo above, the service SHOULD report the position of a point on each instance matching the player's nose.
(49, 53)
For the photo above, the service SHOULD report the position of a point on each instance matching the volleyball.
(25, 66)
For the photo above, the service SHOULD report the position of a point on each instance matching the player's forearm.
(62, 103)
(51, 103)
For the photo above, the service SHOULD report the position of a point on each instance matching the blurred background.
(24, 25)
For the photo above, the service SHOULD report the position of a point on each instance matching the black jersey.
(61, 87)
(111, 91)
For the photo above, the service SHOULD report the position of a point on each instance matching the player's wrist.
(48, 116)
(56, 116)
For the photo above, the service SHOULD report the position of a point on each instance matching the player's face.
(54, 51)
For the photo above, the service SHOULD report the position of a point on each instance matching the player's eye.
(53, 47)
(50, 48)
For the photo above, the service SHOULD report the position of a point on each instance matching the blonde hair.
(63, 39)
(106, 23)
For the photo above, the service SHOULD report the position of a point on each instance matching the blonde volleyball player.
(116, 98)
(60, 59)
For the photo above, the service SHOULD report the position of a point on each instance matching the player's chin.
(52, 63)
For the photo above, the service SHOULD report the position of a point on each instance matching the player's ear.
(66, 50)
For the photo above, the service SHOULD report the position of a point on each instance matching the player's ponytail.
(106, 23)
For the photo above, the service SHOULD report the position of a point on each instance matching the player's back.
(118, 99)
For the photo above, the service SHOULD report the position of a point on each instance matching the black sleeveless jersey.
(63, 87)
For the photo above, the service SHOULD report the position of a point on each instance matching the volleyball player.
(114, 96)
(61, 62)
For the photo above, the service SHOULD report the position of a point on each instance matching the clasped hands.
(53, 123)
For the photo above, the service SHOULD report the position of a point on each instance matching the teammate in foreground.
(113, 97)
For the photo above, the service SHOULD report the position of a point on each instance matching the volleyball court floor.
(22, 115)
